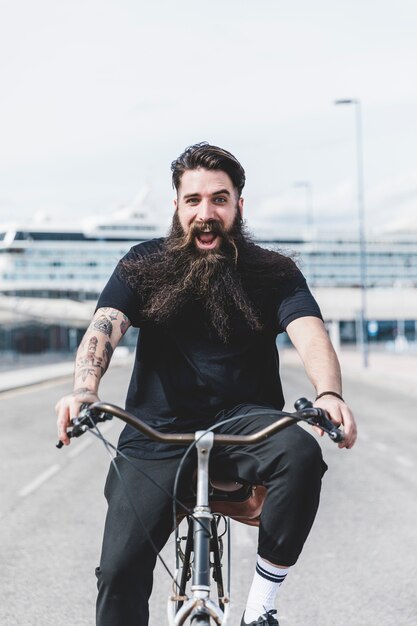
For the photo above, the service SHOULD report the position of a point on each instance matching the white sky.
(99, 96)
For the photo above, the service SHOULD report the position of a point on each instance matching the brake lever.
(80, 423)
(320, 419)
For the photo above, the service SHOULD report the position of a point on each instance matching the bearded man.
(209, 304)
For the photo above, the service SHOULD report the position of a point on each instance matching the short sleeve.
(296, 301)
(117, 293)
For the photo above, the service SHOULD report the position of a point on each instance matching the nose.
(206, 211)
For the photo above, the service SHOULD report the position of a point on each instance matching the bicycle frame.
(200, 602)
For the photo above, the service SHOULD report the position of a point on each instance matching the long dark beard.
(219, 278)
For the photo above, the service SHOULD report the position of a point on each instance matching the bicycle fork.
(200, 603)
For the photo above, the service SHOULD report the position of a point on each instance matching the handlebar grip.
(322, 420)
(60, 445)
(85, 419)
(302, 403)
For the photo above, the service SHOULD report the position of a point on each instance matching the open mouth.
(206, 241)
(207, 236)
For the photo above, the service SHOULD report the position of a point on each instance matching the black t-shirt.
(183, 377)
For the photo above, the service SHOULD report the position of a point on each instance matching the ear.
(175, 204)
(240, 204)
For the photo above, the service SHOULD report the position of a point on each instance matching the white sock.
(266, 582)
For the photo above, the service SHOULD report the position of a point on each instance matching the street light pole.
(363, 335)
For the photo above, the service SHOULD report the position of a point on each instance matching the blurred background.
(98, 97)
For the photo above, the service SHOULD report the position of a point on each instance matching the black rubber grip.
(302, 403)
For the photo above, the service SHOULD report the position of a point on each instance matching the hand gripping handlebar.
(320, 419)
(92, 414)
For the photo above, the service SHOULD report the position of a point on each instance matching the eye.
(220, 200)
(191, 201)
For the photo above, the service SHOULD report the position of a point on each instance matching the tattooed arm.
(92, 360)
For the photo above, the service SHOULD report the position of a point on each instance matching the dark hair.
(210, 158)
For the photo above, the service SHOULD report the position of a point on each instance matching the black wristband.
(330, 393)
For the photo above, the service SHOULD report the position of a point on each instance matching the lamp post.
(363, 338)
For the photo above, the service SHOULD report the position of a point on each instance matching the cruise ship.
(46, 260)
(54, 275)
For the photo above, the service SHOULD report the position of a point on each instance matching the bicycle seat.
(242, 503)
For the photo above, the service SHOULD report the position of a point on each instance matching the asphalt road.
(359, 565)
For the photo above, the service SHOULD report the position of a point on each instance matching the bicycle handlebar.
(92, 414)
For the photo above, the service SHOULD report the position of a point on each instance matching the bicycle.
(215, 503)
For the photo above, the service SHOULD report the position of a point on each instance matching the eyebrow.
(215, 193)
(221, 192)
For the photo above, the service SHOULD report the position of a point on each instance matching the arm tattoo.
(91, 349)
(103, 325)
(82, 391)
(87, 365)
(107, 355)
(124, 325)
(112, 313)
(85, 372)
